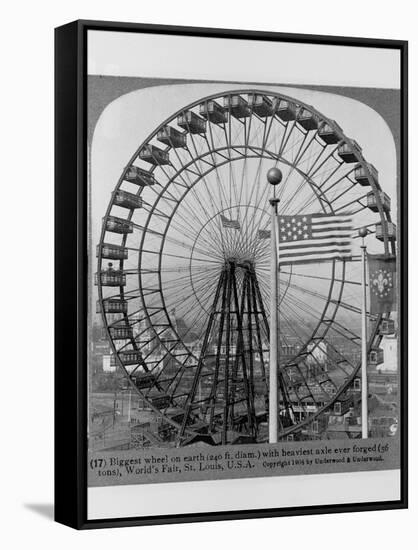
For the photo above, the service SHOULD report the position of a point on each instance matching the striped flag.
(231, 224)
(314, 238)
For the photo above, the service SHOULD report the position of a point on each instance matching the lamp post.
(364, 405)
(274, 177)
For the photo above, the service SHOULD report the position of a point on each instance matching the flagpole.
(364, 389)
(129, 406)
(274, 177)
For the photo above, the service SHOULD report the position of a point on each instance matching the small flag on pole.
(382, 279)
(264, 233)
(230, 224)
(314, 238)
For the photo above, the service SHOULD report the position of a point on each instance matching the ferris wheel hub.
(239, 261)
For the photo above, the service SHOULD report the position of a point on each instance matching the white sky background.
(150, 55)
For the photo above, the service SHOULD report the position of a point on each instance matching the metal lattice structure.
(183, 269)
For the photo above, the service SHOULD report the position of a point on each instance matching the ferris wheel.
(183, 269)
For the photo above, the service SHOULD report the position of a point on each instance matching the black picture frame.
(71, 272)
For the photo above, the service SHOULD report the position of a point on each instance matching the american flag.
(231, 224)
(314, 238)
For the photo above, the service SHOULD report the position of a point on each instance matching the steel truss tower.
(232, 359)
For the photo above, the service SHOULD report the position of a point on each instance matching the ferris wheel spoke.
(317, 197)
(235, 194)
(328, 172)
(201, 285)
(327, 175)
(287, 201)
(286, 136)
(316, 158)
(205, 271)
(284, 205)
(186, 285)
(302, 337)
(345, 176)
(346, 333)
(206, 215)
(154, 299)
(303, 177)
(329, 156)
(175, 285)
(205, 248)
(163, 378)
(227, 127)
(318, 364)
(240, 190)
(184, 293)
(261, 247)
(198, 319)
(298, 302)
(215, 209)
(198, 174)
(182, 257)
(305, 315)
(187, 184)
(312, 293)
(353, 202)
(261, 153)
(301, 150)
(185, 229)
(160, 235)
(262, 128)
(177, 269)
(349, 189)
(250, 227)
(131, 294)
(353, 309)
(206, 292)
(357, 211)
(302, 332)
(190, 247)
(248, 235)
(367, 226)
(323, 338)
(294, 342)
(183, 310)
(211, 148)
(318, 277)
(258, 200)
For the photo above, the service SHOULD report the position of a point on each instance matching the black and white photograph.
(181, 342)
(244, 271)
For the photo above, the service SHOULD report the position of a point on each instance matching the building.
(389, 345)
(318, 353)
(107, 364)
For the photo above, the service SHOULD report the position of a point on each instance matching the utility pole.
(274, 177)
(364, 389)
